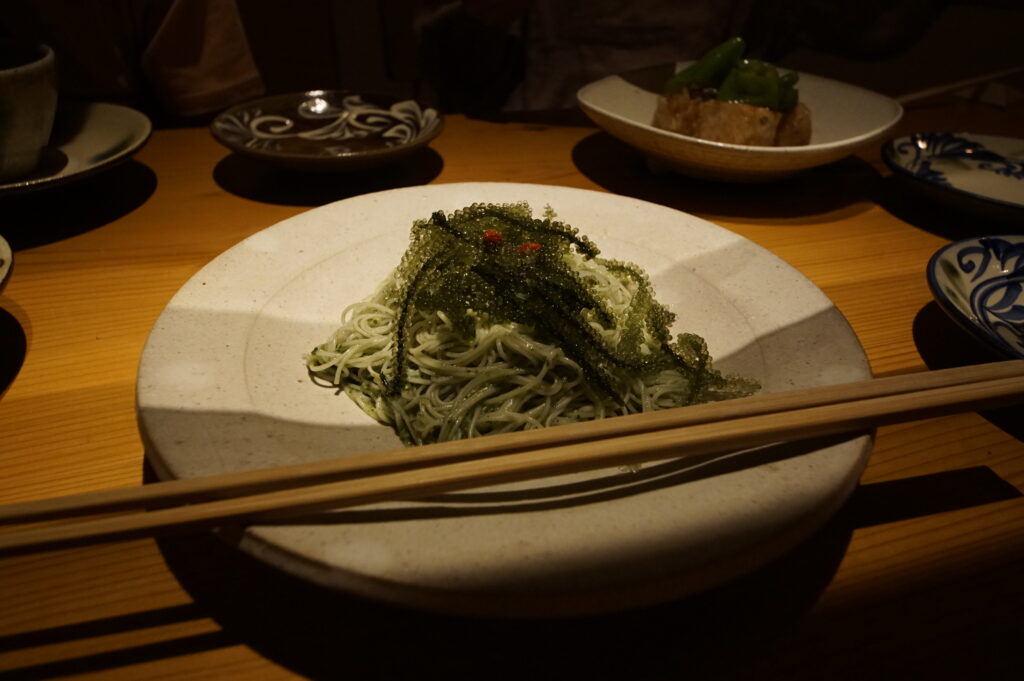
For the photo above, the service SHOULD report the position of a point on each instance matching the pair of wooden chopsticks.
(418, 472)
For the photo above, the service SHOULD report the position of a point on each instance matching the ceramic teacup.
(28, 102)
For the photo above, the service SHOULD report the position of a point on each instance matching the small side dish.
(327, 130)
(977, 173)
(725, 98)
(88, 138)
(847, 119)
(980, 284)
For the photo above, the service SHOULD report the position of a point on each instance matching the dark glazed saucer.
(327, 130)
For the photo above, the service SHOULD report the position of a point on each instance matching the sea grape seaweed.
(499, 264)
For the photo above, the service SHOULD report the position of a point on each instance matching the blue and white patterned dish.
(980, 283)
(327, 130)
(981, 167)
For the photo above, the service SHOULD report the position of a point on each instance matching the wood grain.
(918, 576)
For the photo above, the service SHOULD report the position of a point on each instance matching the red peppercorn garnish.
(530, 247)
(492, 237)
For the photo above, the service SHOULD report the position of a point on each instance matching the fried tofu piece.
(732, 122)
(735, 123)
(795, 127)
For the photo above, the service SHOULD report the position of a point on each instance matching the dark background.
(372, 46)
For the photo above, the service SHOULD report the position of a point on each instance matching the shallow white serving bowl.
(844, 120)
(222, 387)
(979, 282)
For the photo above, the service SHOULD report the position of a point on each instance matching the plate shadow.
(315, 632)
(851, 184)
(55, 213)
(943, 344)
(944, 212)
(13, 345)
(724, 633)
(754, 627)
(265, 183)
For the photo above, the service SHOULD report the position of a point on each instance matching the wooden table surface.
(921, 575)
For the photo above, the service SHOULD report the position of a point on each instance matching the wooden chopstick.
(264, 480)
(424, 471)
(912, 97)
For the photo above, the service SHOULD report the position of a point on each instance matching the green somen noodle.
(496, 321)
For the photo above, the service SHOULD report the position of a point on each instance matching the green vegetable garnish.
(723, 74)
(710, 70)
(788, 94)
(498, 264)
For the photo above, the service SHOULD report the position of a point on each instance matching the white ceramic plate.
(844, 120)
(979, 282)
(6, 262)
(222, 387)
(87, 138)
(980, 170)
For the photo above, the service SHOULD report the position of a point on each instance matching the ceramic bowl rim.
(961, 317)
(425, 135)
(791, 151)
(889, 156)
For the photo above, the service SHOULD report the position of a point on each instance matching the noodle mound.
(496, 321)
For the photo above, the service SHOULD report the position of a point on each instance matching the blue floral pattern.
(919, 152)
(983, 279)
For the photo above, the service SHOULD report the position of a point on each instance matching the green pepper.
(753, 82)
(710, 70)
(788, 94)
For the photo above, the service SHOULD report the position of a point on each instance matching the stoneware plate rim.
(222, 386)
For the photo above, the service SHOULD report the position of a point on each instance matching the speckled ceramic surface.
(844, 120)
(28, 102)
(87, 138)
(6, 262)
(222, 386)
(980, 284)
(323, 130)
(977, 169)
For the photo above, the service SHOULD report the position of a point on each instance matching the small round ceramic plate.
(980, 284)
(327, 130)
(87, 138)
(975, 171)
(222, 387)
(844, 119)
(6, 262)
